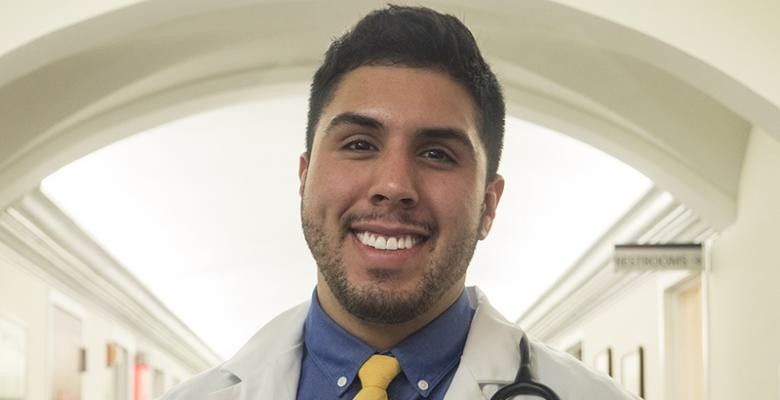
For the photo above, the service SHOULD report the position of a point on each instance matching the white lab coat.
(268, 366)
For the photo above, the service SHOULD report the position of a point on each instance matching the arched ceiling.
(87, 85)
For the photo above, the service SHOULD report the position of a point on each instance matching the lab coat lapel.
(491, 355)
(267, 367)
(464, 387)
(229, 393)
(278, 383)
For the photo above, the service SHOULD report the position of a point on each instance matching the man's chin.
(384, 303)
(387, 283)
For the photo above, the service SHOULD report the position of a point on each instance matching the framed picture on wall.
(632, 371)
(13, 360)
(603, 361)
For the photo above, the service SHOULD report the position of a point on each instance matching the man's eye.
(436, 154)
(359, 145)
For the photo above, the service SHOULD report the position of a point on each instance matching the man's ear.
(493, 192)
(303, 169)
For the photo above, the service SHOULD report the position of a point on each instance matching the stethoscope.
(523, 384)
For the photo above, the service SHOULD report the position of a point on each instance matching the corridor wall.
(27, 299)
(744, 296)
(740, 299)
(623, 325)
(23, 299)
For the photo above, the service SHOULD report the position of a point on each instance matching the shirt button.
(342, 381)
(422, 384)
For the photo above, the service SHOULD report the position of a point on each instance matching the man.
(398, 183)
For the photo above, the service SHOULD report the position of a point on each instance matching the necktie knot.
(375, 375)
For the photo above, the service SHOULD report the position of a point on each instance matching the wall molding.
(593, 283)
(53, 247)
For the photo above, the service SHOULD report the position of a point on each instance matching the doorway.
(684, 338)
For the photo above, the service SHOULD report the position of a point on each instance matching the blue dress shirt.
(428, 358)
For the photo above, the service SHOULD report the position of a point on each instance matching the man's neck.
(382, 336)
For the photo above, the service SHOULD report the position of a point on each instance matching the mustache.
(402, 218)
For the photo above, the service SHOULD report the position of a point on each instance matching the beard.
(375, 303)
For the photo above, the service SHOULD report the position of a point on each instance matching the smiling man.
(398, 184)
(394, 199)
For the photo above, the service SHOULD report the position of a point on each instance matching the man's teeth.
(380, 242)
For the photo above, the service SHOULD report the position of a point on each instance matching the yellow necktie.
(375, 374)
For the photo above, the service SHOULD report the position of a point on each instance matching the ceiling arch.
(149, 63)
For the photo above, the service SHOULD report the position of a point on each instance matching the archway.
(631, 95)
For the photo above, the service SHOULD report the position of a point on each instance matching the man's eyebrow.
(443, 133)
(448, 134)
(350, 118)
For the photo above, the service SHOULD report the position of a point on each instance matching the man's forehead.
(401, 95)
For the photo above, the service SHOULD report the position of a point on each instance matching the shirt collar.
(427, 355)
(433, 351)
(336, 352)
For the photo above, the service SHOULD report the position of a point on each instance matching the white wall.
(23, 298)
(24, 21)
(738, 37)
(624, 325)
(27, 298)
(745, 284)
(742, 292)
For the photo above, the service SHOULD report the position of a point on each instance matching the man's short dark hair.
(415, 37)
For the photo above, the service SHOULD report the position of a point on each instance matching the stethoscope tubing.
(524, 384)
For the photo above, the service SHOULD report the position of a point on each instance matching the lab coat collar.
(491, 354)
(268, 366)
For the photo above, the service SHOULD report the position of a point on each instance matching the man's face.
(394, 196)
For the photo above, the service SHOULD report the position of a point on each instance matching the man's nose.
(395, 182)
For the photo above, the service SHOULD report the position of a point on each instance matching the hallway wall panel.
(23, 300)
(744, 295)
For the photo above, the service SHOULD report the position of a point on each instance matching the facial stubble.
(375, 303)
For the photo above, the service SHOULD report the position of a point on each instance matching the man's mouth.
(384, 242)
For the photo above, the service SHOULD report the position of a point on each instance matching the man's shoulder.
(572, 379)
(201, 385)
(492, 353)
(272, 341)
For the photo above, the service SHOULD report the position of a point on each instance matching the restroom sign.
(658, 257)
